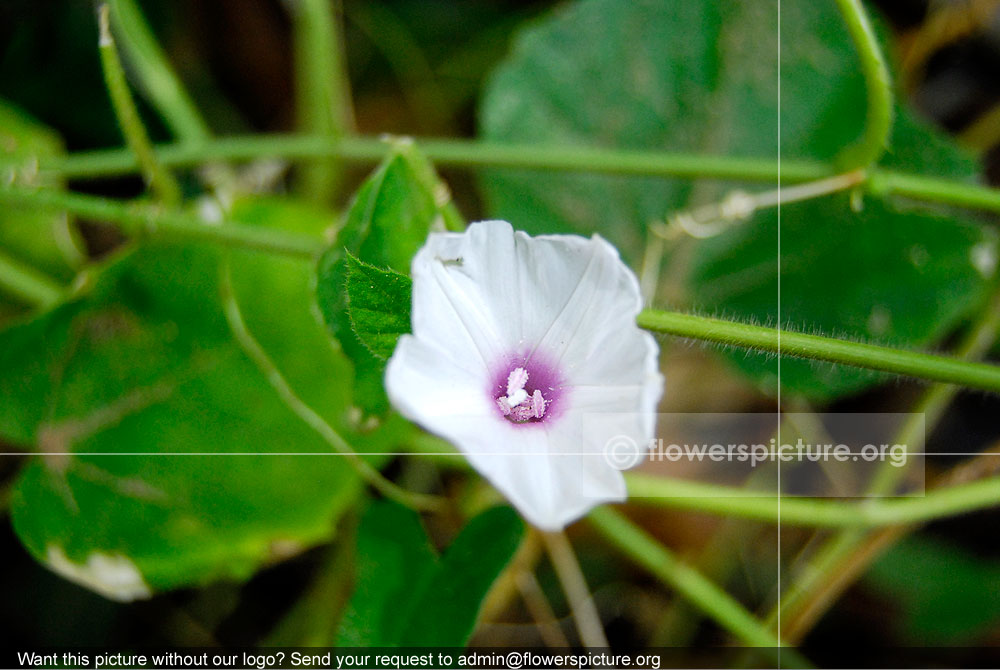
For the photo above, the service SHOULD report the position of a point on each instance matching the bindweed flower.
(516, 341)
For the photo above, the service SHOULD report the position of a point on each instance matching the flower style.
(518, 342)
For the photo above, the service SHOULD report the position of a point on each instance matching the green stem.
(970, 196)
(322, 94)
(161, 83)
(160, 180)
(479, 154)
(878, 121)
(802, 345)
(449, 152)
(139, 219)
(574, 584)
(816, 512)
(687, 581)
(142, 219)
(27, 283)
(930, 408)
(163, 88)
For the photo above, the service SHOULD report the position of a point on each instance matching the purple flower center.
(526, 392)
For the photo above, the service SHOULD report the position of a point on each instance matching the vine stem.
(878, 120)
(581, 603)
(323, 100)
(144, 219)
(814, 512)
(27, 283)
(449, 152)
(481, 154)
(157, 77)
(801, 345)
(824, 566)
(140, 219)
(160, 180)
(677, 575)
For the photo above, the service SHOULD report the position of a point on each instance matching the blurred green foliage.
(941, 594)
(703, 77)
(109, 392)
(406, 595)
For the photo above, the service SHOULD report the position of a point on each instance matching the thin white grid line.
(778, 214)
(693, 457)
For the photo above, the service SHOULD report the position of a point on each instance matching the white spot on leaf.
(879, 320)
(112, 575)
(984, 258)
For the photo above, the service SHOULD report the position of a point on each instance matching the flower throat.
(520, 406)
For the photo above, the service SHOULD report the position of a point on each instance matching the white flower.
(516, 342)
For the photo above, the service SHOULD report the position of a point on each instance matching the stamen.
(503, 405)
(516, 380)
(523, 404)
(537, 404)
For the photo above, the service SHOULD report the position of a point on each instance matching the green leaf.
(378, 303)
(445, 615)
(276, 299)
(44, 240)
(406, 596)
(920, 280)
(941, 594)
(702, 77)
(117, 389)
(388, 220)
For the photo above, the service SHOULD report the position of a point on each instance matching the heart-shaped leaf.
(702, 77)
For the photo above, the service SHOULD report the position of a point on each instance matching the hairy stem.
(449, 152)
(142, 219)
(841, 547)
(480, 154)
(802, 345)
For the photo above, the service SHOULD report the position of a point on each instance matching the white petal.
(429, 385)
(544, 473)
(487, 296)
(624, 378)
(503, 290)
